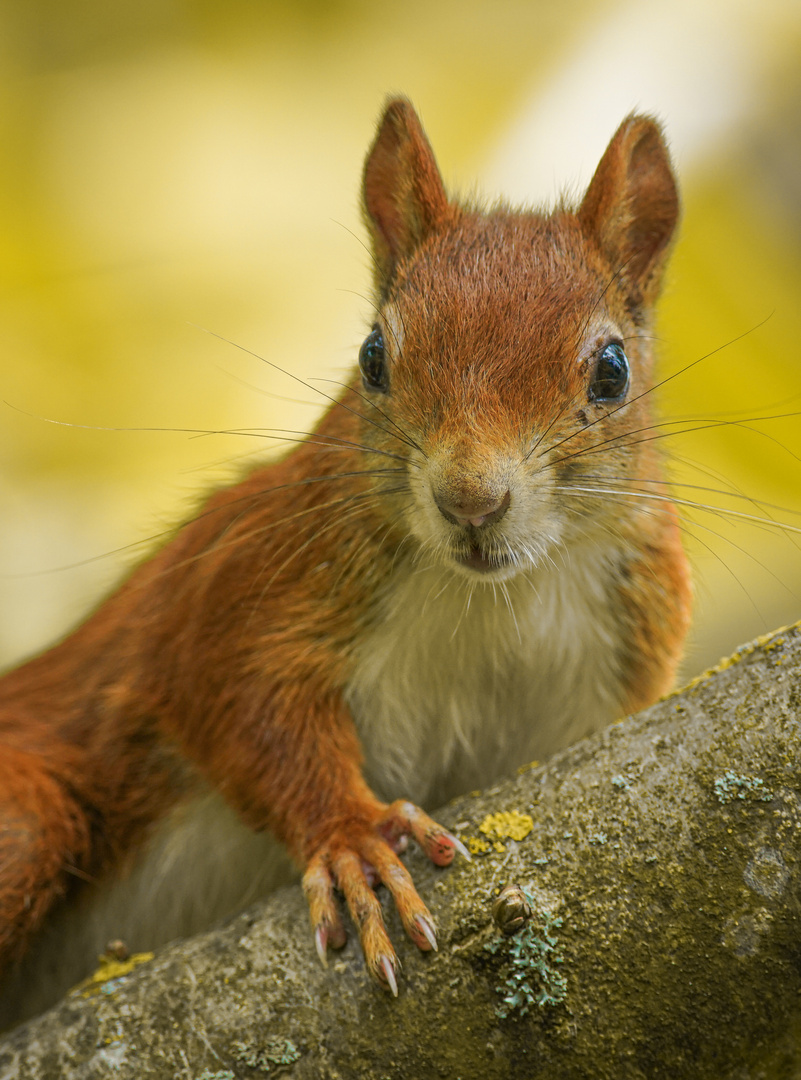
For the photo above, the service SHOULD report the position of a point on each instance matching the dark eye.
(610, 380)
(372, 362)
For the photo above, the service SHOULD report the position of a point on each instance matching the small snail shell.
(511, 909)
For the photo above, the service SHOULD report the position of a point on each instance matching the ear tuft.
(404, 197)
(631, 207)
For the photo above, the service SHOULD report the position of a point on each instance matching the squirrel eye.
(610, 380)
(372, 362)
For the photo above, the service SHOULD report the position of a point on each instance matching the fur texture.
(471, 562)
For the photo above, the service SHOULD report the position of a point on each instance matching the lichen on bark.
(667, 847)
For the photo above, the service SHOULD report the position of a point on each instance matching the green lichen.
(733, 785)
(531, 980)
(274, 1052)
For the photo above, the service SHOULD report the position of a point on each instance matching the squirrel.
(472, 561)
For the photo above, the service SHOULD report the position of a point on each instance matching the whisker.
(403, 436)
(562, 412)
(261, 390)
(691, 526)
(336, 401)
(602, 294)
(362, 244)
(287, 435)
(377, 309)
(720, 511)
(465, 608)
(508, 599)
(672, 484)
(617, 441)
(351, 512)
(665, 381)
(218, 545)
(251, 499)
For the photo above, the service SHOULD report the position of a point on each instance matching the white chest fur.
(454, 687)
(459, 684)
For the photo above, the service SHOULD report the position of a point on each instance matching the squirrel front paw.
(355, 858)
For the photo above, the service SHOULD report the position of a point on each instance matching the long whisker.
(624, 438)
(736, 492)
(562, 412)
(333, 523)
(602, 294)
(286, 435)
(361, 243)
(297, 378)
(691, 525)
(673, 484)
(689, 503)
(402, 435)
(377, 309)
(262, 390)
(263, 528)
(250, 499)
(664, 382)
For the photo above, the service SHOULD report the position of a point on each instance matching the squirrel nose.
(474, 512)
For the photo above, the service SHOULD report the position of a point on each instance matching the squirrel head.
(510, 344)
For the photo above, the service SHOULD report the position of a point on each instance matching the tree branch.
(662, 871)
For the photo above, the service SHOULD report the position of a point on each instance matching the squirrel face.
(511, 355)
(515, 375)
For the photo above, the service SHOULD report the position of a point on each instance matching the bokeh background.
(172, 167)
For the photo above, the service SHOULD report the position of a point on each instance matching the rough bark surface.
(665, 940)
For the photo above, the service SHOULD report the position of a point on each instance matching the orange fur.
(230, 654)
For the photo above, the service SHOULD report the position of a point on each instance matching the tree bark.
(662, 871)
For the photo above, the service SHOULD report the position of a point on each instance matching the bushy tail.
(45, 841)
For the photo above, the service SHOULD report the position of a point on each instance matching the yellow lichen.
(767, 643)
(507, 823)
(110, 969)
(477, 846)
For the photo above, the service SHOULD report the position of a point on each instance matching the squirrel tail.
(45, 843)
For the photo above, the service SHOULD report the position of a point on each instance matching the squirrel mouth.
(477, 559)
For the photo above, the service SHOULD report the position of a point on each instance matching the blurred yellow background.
(171, 168)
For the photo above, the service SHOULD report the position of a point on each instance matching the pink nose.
(473, 512)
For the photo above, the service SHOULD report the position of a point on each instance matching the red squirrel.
(455, 573)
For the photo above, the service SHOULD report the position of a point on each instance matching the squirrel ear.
(404, 197)
(631, 207)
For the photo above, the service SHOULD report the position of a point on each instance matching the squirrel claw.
(427, 930)
(403, 818)
(354, 861)
(320, 944)
(389, 974)
(457, 843)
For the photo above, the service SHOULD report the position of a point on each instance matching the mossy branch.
(660, 933)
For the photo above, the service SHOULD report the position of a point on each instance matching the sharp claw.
(320, 943)
(428, 930)
(389, 974)
(457, 843)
